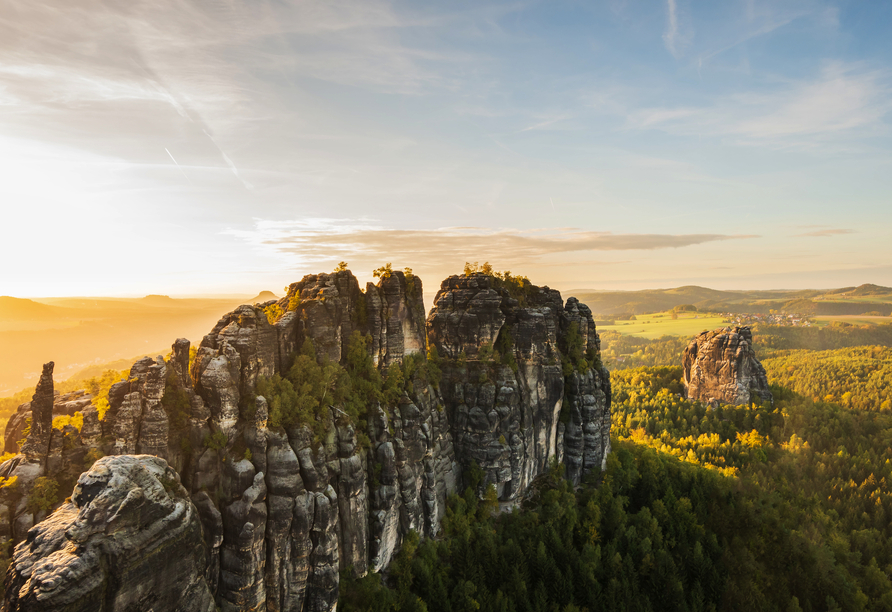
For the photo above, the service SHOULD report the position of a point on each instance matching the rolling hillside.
(845, 301)
(78, 333)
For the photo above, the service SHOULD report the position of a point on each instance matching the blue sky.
(185, 148)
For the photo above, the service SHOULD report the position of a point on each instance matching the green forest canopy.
(760, 507)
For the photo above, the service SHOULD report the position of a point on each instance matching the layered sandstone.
(514, 406)
(721, 366)
(63, 405)
(129, 540)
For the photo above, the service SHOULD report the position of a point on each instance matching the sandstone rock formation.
(19, 474)
(63, 405)
(129, 539)
(279, 512)
(37, 445)
(507, 413)
(721, 366)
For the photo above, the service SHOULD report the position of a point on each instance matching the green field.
(823, 320)
(661, 324)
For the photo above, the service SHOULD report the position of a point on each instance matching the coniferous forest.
(760, 507)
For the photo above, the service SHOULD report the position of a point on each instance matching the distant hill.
(158, 300)
(263, 296)
(18, 309)
(815, 302)
(869, 289)
(79, 333)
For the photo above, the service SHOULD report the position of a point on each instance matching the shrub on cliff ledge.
(175, 402)
(383, 272)
(518, 287)
(273, 313)
(44, 495)
(364, 379)
(310, 391)
(574, 357)
(76, 420)
(303, 395)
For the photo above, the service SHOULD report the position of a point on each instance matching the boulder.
(128, 539)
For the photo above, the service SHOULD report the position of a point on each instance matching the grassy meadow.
(824, 320)
(660, 324)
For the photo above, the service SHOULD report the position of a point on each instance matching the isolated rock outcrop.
(63, 405)
(721, 366)
(19, 475)
(128, 539)
(502, 375)
(37, 444)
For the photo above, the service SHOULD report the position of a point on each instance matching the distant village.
(787, 320)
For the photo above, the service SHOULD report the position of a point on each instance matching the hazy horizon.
(638, 285)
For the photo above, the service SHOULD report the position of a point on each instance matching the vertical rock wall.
(514, 408)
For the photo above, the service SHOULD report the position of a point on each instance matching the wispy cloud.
(671, 27)
(326, 239)
(544, 124)
(844, 100)
(826, 233)
(676, 37)
(770, 17)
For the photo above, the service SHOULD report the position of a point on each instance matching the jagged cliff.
(721, 366)
(269, 509)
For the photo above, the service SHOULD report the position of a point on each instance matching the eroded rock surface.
(63, 405)
(721, 366)
(37, 444)
(516, 398)
(129, 539)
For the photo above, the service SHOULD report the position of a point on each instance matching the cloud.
(671, 27)
(315, 240)
(97, 74)
(845, 100)
(826, 233)
(676, 38)
(770, 17)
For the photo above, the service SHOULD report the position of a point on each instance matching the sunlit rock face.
(129, 539)
(37, 444)
(721, 366)
(45, 452)
(63, 405)
(269, 518)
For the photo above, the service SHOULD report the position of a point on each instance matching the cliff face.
(516, 402)
(721, 366)
(280, 508)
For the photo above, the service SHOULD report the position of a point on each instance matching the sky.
(221, 147)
